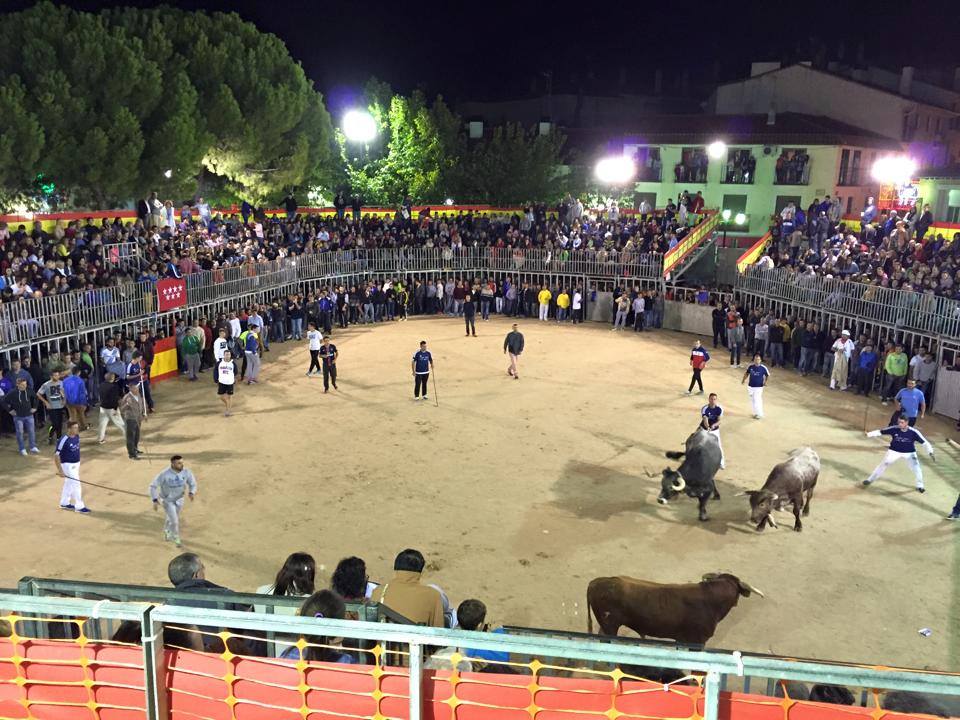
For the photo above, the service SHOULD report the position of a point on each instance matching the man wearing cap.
(842, 350)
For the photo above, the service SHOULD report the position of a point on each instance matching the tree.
(107, 103)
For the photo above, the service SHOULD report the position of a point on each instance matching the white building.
(925, 118)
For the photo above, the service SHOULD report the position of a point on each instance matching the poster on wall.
(898, 196)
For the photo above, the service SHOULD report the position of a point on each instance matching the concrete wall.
(686, 317)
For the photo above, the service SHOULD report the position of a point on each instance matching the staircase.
(686, 252)
(689, 260)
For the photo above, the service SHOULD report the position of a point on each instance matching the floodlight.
(717, 149)
(726, 215)
(615, 170)
(168, 174)
(359, 126)
(740, 219)
(895, 169)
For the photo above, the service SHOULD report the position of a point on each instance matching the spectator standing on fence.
(66, 460)
(895, 365)
(133, 413)
(54, 403)
(842, 351)
(699, 357)
(169, 489)
(109, 407)
(758, 375)
(21, 402)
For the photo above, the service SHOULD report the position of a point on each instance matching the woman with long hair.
(296, 577)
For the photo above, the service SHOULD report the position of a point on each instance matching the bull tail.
(589, 614)
(674, 455)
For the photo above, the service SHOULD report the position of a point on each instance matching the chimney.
(658, 81)
(906, 80)
(772, 116)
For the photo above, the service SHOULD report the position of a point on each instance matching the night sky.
(492, 50)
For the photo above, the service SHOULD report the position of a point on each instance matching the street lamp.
(740, 219)
(615, 170)
(168, 174)
(717, 149)
(359, 126)
(725, 215)
(896, 170)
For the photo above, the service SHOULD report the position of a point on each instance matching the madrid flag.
(171, 294)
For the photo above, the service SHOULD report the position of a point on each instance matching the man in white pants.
(710, 421)
(67, 463)
(903, 439)
(168, 488)
(758, 375)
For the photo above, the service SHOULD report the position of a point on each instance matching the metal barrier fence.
(901, 309)
(31, 320)
(172, 660)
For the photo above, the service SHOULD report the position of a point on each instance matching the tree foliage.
(106, 103)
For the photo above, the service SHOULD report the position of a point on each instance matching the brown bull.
(687, 613)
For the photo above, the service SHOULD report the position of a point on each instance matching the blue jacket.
(75, 390)
(868, 360)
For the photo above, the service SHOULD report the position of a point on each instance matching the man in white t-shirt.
(235, 328)
(220, 346)
(226, 379)
(577, 306)
(315, 339)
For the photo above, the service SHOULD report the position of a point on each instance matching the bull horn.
(678, 484)
(751, 588)
(742, 494)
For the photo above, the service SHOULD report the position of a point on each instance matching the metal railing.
(675, 255)
(902, 309)
(33, 319)
(718, 667)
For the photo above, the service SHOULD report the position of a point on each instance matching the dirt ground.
(520, 492)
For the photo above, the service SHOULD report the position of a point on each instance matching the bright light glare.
(168, 174)
(726, 215)
(896, 169)
(615, 170)
(740, 219)
(448, 201)
(359, 126)
(716, 149)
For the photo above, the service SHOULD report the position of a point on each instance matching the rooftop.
(787, 129)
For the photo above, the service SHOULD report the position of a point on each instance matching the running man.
(758, 376)
(513, 344)
(903, 439)
(421, 365)
(329, 355)
(710, 421)
(314, 338)
(226, 379)
(699, 357)
(67, 462)
(168, 489)
(220, 346)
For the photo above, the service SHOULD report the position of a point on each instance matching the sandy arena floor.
(520, 492)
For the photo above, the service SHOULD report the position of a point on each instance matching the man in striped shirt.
(903, 440)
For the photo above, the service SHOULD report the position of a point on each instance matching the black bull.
(695, 476)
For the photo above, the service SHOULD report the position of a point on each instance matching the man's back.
(418, 603)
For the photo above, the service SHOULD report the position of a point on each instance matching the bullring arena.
(519, 493)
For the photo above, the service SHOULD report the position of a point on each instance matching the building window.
(734, 203)
(649, 166)
(740, 167)
(855, 168)
(849, 205)
(793, 167)
(953, 214)
(784, 200)
(844, 167)
(692, 166)
(650, 197)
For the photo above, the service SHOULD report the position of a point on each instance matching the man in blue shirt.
(866, 369)
(758, 375)
(251, 350)
(710, 421)
(421, 365)
(910, 402)
(903, 440)
(67, 463)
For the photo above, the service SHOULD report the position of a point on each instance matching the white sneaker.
(23, 452)
(35, 450)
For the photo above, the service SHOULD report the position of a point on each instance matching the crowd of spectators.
(891, 250)
(692, 166)
(77, 255)
(793, 167)
(741, 167)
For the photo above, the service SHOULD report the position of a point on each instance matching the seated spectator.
(403, 593)
(184, 638)
(294, 579)
(472, 615)
(324, 604)
(350, 580)
(834, 694)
